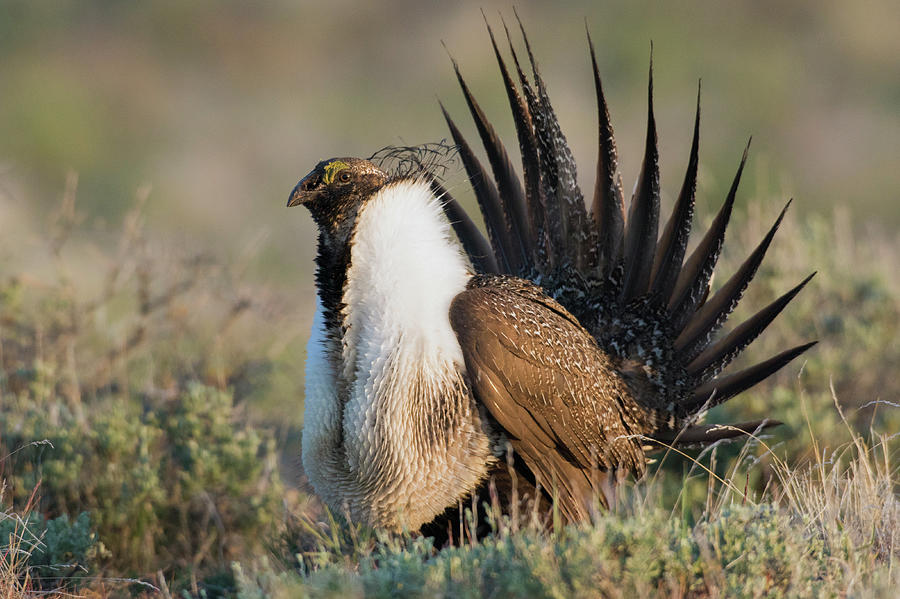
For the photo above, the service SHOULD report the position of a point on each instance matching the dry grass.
(830, 528)
(849, 494)
(15, 579)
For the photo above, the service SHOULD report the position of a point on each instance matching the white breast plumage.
(391, 433)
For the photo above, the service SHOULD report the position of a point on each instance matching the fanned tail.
(643, 214)
(608, 206)
(711, 433)
(630, 285)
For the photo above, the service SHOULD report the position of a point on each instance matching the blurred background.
(220, 107)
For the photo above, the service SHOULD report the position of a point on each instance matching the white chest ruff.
(391, 434)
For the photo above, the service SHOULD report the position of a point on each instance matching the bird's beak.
(303, 191)
(297, 195)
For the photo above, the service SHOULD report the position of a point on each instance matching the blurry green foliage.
(852, 307)
(119, 404)
(176, 486)
(58, 552)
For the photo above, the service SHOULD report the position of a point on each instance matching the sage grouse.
(573, 336)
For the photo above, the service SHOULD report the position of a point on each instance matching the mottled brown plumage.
(566, 410)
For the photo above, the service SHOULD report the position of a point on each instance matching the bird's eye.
(344, 177)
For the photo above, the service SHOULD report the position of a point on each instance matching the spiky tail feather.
(637, 294)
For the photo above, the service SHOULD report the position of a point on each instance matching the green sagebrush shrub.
(741, 551)
(56, 553)
(171, 485)
(135, 390)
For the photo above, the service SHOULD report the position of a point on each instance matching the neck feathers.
(385, 374)
(404, 270)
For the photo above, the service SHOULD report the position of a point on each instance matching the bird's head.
(336, 188)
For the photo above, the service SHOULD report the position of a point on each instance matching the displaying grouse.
(572, 335)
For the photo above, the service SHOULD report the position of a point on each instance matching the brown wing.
(541, 375)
